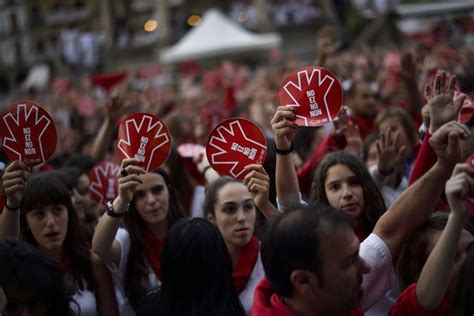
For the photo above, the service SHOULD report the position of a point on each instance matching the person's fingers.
(378, 146)
(437, 84)
(14, 188)
(283, 113)
(130, 178)
(12, 182)
(401, 153)
(442, 82)
(383, 139)
(284, 124)
(451, 84)
(134, 169)
(131, 185)
(129, 161)
(15, 174)
(17, 165)
(428, 92)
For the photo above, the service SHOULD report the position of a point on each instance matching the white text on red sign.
(313, 105)
(29, 149)
(249, 152)
(140, 155)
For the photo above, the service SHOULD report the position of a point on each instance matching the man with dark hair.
(31, 283)
(309, 276)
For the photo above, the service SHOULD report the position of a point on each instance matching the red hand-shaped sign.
(315, 93)
(28, 133)
(146, 138)
(103, 181)
(234, 144)
(467, 108)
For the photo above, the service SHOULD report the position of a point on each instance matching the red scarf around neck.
(65, 264)
(245, 263)
(153, 248)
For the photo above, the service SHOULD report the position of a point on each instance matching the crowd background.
(193, 97)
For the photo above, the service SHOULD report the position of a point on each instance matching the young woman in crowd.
(343, 182)
(432, 261)
(204, 287)
(40, 210)
(149, 207)
(231, 206)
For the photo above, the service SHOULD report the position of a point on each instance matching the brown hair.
(136, 275)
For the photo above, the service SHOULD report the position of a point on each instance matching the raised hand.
(14, 181)
(258, 184)
(445, 142)
(459, 188)
(340, 123)
(283, 127)
(128, 181)
(390, 154)
(353, 139)
(440, 101)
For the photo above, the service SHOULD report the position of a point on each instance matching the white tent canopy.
(216, 36)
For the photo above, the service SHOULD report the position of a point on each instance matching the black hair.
(43, 190)
(293, 241)
(374, 204)
(197, 273)
(25, 268)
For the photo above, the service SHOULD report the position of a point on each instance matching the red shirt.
(407, 305)
(266, 303)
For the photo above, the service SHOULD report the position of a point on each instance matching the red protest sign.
(315, 93)
(467, 108)
(234, 144)
(103, 181)
(146, 138)
(28, 133)
(189, 150)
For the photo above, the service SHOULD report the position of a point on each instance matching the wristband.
(11, 208)
(109, 209)
(205, 170)
(284, 152)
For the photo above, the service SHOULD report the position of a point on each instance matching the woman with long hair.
(231, 206)
(149, 207)
(40, 211)
(197, 274)
(342, 181)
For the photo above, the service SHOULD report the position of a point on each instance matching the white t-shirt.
(381, 277)
(118, 273)
(87, 303)
(246, 296)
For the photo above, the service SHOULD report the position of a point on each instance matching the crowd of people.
(369, 215)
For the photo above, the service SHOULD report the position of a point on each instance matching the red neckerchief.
(244, 266)
(153, 248)
(267, 303)
(65, 264)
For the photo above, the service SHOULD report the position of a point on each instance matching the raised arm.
(258, 183)
(14, 182)
(434, 278)
(103, 242)
(441, 110)
(285, 129)
(113, 108)
(415, 205)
